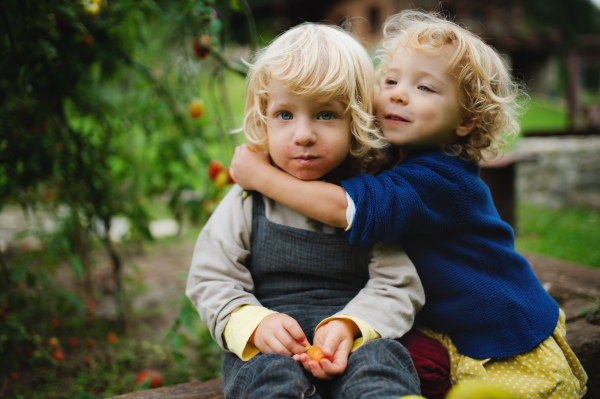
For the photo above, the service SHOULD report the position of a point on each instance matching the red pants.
(431, 361)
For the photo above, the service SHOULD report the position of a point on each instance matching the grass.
(545, 115)
(570, 234)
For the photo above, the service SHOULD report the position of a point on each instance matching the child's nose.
(304, 133)
(399, 95)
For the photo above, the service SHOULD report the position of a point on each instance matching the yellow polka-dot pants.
(550, 370)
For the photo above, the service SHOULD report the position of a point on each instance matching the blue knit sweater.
(478, 289)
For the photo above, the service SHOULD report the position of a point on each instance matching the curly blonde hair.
(321, 60)
(487, 91)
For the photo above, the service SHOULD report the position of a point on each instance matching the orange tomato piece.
(315, 353)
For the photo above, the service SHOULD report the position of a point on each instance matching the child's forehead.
(278, 90)
(424, 45)
(405, 51)
(443, 54)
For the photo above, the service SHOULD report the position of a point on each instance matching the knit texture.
(478, 289)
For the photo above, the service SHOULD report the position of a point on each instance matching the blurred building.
(535, 54)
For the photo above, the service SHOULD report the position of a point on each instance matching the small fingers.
(277, 334)
(317, 370)
(333, 368)
(274, 345)
(331, 344)
(297, 341)
(304, 359)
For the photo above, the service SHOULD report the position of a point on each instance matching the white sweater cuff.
(350, 212)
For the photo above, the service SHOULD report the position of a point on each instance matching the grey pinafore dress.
(305, 274)
(310, 276)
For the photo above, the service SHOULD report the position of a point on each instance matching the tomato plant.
(94, 125)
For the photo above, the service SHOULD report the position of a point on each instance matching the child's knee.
(382, 353)
(267, 375)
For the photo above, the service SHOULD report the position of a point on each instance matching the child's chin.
(306, 175)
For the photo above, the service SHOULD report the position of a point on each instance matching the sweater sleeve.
(366, 331)
(240, 328)
(392, 296)
(423, 194)
(218, 281)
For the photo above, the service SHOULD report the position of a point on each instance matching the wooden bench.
(211, 389)
(574, 287)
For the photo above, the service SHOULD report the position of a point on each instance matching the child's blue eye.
(326, 116)
(286, 116)
(424, 88)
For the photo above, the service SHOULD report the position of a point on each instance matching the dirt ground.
(155, 273)
(155, 278)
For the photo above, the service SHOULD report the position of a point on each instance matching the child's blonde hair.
(315, 59)
(487, 91)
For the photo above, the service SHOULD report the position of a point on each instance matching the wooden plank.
(565, 280)
(211, 389)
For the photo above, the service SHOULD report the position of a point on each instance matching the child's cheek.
(292, 150)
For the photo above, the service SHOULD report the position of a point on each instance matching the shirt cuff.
(366, 331)
(242, 323)
(350, 211)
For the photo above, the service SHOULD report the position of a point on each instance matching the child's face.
(418, 106)
(308, 138)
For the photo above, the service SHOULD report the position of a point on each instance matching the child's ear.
(465, 127)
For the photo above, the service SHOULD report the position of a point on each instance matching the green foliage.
(79, 113)
(38, 316)
(45, 331)
(569, 234)
(94, 125)
(190, 334)
(570, 18)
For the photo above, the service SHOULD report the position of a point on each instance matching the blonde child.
(264, 277)
(445, 101)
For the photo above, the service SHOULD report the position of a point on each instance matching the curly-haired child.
(446, 100)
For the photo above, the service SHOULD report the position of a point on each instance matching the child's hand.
(336, 339)
(246, 164)
(279, 333)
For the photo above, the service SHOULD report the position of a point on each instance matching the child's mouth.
(305, 159)
(395, 118)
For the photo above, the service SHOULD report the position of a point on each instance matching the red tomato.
(58, 355)
(214, 167)
(111, 338)
(156, 379)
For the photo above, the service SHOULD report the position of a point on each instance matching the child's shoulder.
(435, 166)
(436, 158)
(235, 205)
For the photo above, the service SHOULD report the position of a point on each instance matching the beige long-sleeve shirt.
(219, 283)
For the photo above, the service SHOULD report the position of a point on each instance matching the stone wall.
(565, 173)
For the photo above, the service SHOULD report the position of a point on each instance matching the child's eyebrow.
(435, 76)
(331, 103)
(438, 78)
(280, 104)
